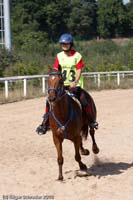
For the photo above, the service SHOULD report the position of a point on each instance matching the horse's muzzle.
(52, 94)
(52, 98)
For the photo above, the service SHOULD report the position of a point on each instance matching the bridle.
(59, 91)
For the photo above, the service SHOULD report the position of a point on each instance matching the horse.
(66, 121)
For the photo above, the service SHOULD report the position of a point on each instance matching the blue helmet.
(66, 38)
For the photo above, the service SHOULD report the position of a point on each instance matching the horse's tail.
(84, 131)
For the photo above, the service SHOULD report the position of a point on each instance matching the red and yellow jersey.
(70, 63)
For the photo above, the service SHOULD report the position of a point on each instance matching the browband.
(55, 73)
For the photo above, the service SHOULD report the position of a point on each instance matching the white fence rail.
(97, 76)
(118, 74)
(7, 80)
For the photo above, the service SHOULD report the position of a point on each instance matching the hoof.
(60, 178)
(82, 173)
(83, 167)
(95, 149)
(85, 152)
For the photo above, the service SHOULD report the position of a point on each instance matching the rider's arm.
(56, 63)
(78, 74)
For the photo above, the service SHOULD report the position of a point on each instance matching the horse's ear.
(50, 68)
(60, 68)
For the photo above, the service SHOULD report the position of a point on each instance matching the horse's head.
(55, 84)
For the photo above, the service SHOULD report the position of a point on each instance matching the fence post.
(95, 78)
(43, 84)
(118, 79)
(98, 80)
(108, 75)
(6, 89)
(25, 87)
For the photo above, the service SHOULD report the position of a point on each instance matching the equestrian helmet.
(66, 38)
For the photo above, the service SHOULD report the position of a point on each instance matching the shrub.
(7, 59)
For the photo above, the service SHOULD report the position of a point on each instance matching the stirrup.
(41, 130)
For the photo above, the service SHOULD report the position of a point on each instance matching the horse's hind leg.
(83, 150)
(95, 148)
(58, 144)
(77, 143)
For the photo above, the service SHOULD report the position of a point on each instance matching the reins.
(70, 115)
(63, 126)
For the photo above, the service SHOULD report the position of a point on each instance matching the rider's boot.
(93, 123)
(44, 126)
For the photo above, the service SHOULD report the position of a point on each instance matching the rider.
(72, 65)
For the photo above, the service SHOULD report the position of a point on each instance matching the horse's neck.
(62, 106)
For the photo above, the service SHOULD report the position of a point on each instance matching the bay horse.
(66, 120)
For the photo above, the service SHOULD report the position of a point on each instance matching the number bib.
(68, 64)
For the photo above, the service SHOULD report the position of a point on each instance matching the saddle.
(87, 105)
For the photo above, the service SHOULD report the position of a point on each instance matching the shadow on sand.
(100, 168)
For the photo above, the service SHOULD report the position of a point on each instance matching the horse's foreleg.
(77, 143)
(58, 144)
(95, 148)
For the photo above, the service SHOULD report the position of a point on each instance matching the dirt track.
(28, 162)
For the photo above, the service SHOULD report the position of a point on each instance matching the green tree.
(129, 19)
(53, 18)
(82, 19)
(26, 18)
(57, 13)
(111, 18)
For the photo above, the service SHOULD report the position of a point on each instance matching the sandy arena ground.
(28, 167)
